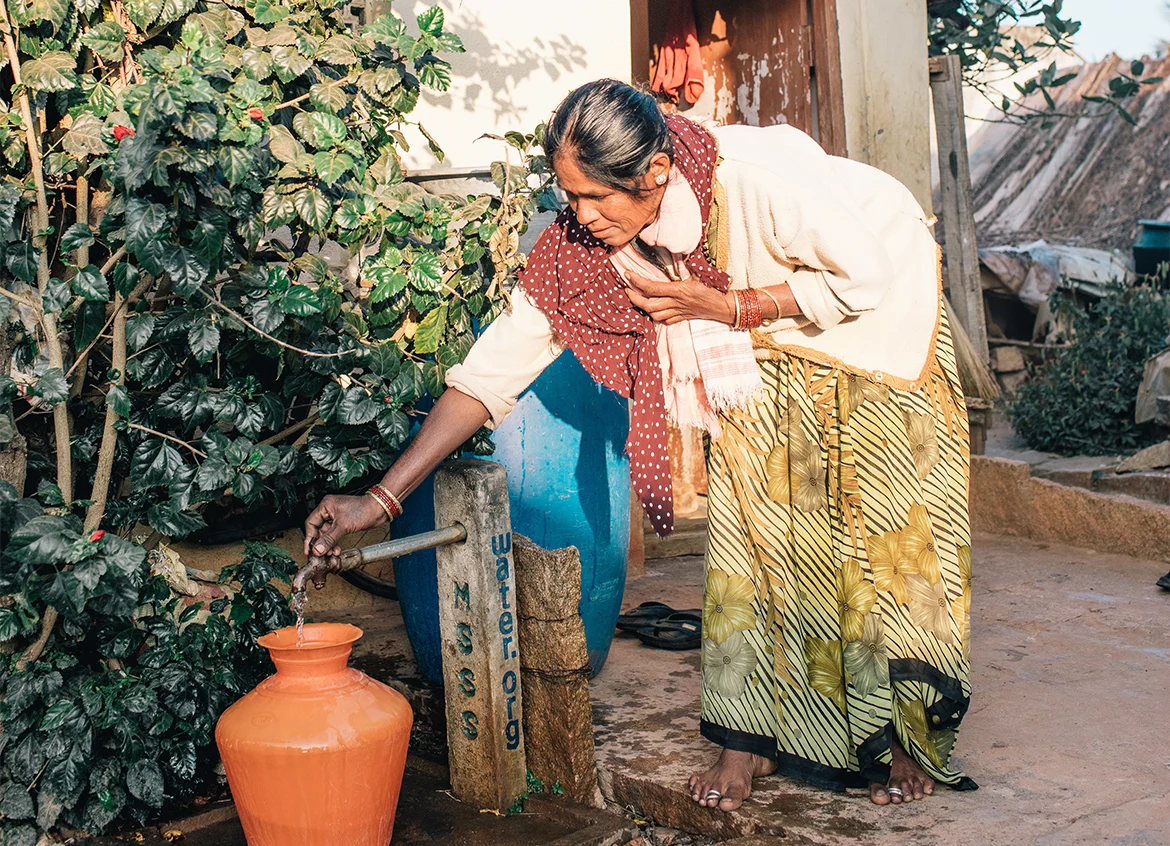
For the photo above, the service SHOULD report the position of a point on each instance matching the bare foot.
(905, 776)
(729, 782)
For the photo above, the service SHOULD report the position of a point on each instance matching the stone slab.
(1007, 499)
(1150, 458)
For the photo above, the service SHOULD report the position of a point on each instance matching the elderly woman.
(740, 280)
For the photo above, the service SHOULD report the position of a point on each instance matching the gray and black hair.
(612, 130)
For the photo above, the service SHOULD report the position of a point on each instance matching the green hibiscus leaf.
(168, 520)
(15, 801)
(22, 260)
(91, 316)
(329, 97)
(91, 284)
(144, 780)
(431, 21)
(125, 276)
(331, 165)
(52, 387)
(84, 138)
(139, 330)
(236, 163)
(394, 427)
(384, 360)
(214, 475)
(327, 130)
(118, 398)
(77, 235)
(429, 334)
(268, 316)
(289, 63)
(55, 71)
(57, 296)
(186, 269)
(53, 11)
(434, 72)
(204, 340)
(329, 404)
(155, 462)
(284, 147)
(106, 40)
(357, 406)
(387, 283)
(10, 627)
(172, 10)
(42, 540)
(300, 300)
(145, 222)
(143, 12)
(198, 125)
(265, 11)
(426, 272)
(313, 208)
(65, 591)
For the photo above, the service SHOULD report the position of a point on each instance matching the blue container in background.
(569, 485)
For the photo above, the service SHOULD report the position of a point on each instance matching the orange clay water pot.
(315, 754)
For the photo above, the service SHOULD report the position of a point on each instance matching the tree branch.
(39, 237)
(167, 437)
(294, 429)
(215, 302)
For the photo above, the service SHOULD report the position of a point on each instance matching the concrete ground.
(1067, 733)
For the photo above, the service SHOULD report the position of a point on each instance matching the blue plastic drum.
(569, 481)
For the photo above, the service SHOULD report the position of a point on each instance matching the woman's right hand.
(338, 516)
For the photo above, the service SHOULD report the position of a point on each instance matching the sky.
(1129, 28)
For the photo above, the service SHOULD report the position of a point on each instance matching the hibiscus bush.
(173, 176)
(1081, 400)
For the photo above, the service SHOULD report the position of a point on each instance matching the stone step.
(688, 538)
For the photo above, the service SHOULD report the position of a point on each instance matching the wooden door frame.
(827, 87)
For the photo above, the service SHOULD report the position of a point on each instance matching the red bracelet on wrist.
(749, 314)
(387, 500)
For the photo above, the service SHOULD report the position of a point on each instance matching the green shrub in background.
(166, 170)
(116, 718)
(1081, 399)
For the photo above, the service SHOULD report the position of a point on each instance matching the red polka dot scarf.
(570, 277)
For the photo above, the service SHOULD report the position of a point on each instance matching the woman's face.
(613, 217)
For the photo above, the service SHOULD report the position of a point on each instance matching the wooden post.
(962, 256)
(558, 714)
(477, 620)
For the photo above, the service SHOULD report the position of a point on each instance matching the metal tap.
(320, 566)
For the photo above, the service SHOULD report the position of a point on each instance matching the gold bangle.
(381, 504)
(735, 322)
(775, 302)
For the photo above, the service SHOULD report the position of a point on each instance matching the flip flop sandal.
(681, 630)
(643, 615)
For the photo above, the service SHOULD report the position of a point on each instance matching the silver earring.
(660, 179)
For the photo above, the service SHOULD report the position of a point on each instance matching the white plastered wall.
(886, 86)
(523, 57)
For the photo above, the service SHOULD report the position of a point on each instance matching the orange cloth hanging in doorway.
(679, 63)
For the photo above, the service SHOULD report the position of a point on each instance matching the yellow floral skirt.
(838, 589)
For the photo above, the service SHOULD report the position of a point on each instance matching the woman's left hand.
(674, 302)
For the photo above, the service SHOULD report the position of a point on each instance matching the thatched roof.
(1084, 181)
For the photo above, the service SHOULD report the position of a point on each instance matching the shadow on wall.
(496, 69)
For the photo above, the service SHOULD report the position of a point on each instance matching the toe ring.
(894, 791)
(714, 794)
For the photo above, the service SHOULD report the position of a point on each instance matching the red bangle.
(751, 314)
(387, 500)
